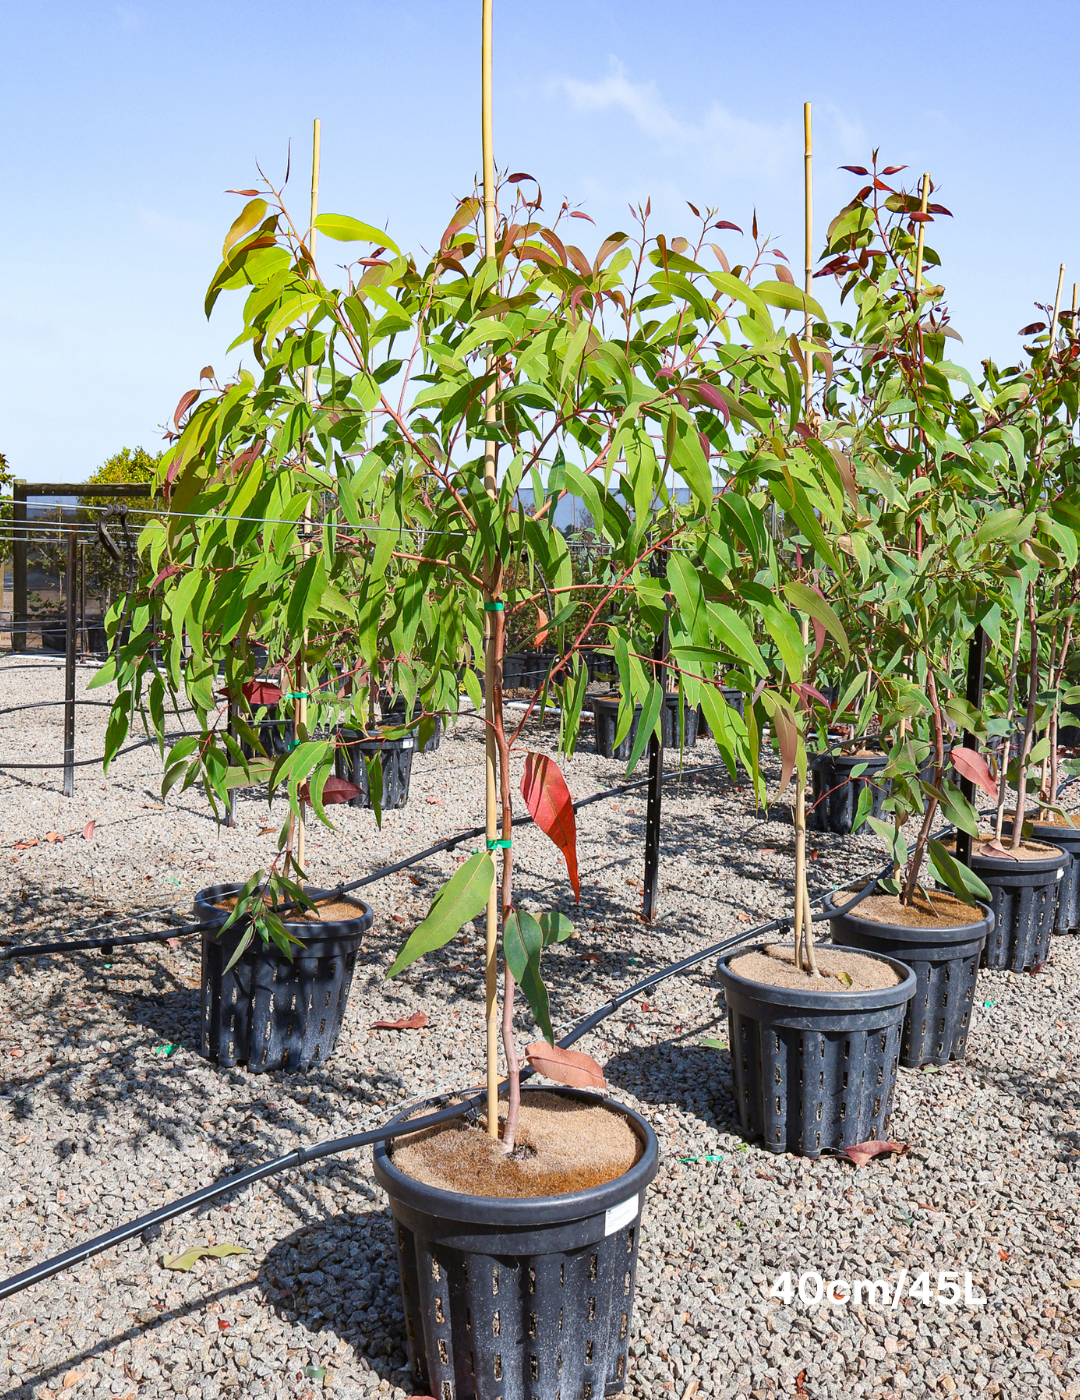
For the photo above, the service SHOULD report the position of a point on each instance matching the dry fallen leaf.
(88, 831)
(414, 1022)
(25, 845)
(71, 1378)
(52, 837)
(190, 1257)
(861, 1152)
(436, 801)
(571, 1067)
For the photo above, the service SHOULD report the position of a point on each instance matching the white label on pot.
(406, 743)
(1060, 873)
(620, 1215)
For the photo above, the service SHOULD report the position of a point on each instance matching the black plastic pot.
(525, 1298)
(836, 792)
(945, 962)
(1025, 900)
(397, 757)
(1067, 918)
(735, 698)
(605, 710)
(267, 1012)
(53, 633)
(814, 1070)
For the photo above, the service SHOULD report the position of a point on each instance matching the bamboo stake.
(490, 755)
(300, 720)
(808, 218)
(1057, 307)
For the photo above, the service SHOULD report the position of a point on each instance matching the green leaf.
(249, 217)
(789, 298)
(523, 942)
(556, 927)
(688, 459)
(459, 901)
(862, 811)
(963, 882)
(803, 597)
(895, 842)
(650, 714)
(343, 229)
(186, 1261)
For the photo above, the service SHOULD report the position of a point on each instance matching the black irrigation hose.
(397, 1126)
(44, 704)
(85, 762)
(83, 944)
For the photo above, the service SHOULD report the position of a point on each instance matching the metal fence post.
(70, 638)
(19, 617)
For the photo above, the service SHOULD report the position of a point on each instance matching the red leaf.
(334, 790)
(258, 693)
(207, 372)
(248, 194)
(1033, 329)
(571, 1067)
(548, 799)
(861, 1152)
(542, 621)
(893, 169)
(88, 831)
(918, 217)
(185, 403)
(856, 169)
(713, 398)
(167, 572)
(415, 1022)
(223, 1326)
(519, 176)
(1003, 1254)
(724, 224)
(466, 212)
(973, 766)
(575, 215)
(783, 273)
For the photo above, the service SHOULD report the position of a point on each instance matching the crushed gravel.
(101, 1120)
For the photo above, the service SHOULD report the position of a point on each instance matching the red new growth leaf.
(973, 766)
(548, 799)
(571, 1067)
(185, 403)
(861, 1152)
(261, 693)
(334, 790)
(167, 572)
(856, 169)
(417, 1021)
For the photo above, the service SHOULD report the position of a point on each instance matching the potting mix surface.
(107, 1110)
(837, 972)
(939, 910)
(326, 910)
(561, 1146)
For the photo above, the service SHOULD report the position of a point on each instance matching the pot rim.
(526, 1210)
(918, 933)
(846, 999)
(1002, 864)
(315, 933)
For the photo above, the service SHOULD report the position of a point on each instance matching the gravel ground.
(96, 1127)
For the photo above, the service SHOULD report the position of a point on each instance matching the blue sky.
(124, 125)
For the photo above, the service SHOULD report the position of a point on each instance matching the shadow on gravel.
(338, 1278)
(681, 1072)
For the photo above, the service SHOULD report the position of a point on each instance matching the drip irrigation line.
(86, 762)
(397, 1126)
(162, 935)
(45, 704)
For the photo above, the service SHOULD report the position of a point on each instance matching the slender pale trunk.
(491, 939)
(915, 864)
(808, 224)
(1003, 776)
(1056, 716)
(1029, 723)
(512, 1068)
(309, 395)
(805, 956)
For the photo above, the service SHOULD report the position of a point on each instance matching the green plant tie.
(298, 695)
(496, 606)
(502, 844)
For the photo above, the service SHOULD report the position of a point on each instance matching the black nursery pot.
(269, 1012)
(524, 1298)
(814, 1071)
(1024, 900)
(945, 962)
(397, 757)
(1067, 918)
(836, 792)
(395, 714)
(605, 710)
